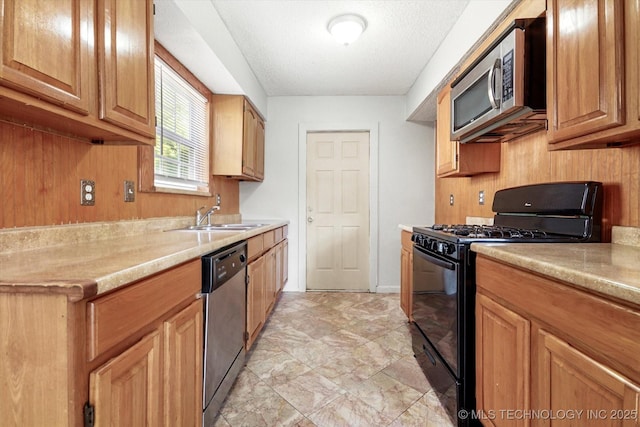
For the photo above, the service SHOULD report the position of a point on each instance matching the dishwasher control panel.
(221, 265)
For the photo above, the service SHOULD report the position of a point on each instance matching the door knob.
(309, 219)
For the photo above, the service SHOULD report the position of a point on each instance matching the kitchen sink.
(222, 227)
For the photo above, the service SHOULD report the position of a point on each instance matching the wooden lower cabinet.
(568, 379)
(255, 300)
(502, 373)
(549, 354)
(270, 281)
(126, 391)
(267, 275)
(132, 356)
(158, 380)
(183, 367)
(285, 263)
(406, 273)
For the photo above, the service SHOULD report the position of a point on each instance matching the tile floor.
(329, 360)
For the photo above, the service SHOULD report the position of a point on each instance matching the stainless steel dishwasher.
(224, 291)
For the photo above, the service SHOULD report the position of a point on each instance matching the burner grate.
(491, 231)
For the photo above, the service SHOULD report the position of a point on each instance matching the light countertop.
(90, 259)
(610, 269)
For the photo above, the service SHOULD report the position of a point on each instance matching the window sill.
(167, 190)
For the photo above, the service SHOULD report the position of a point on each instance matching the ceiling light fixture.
(346, 28)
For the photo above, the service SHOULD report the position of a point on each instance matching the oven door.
(436, 303)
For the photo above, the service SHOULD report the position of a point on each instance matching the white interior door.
(338, 211)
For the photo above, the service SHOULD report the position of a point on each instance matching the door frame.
(303, 129)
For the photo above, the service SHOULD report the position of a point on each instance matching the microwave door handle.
(495, 102)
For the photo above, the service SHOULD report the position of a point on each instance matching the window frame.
(146, 154)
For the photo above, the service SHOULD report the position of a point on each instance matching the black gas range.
(444, 276)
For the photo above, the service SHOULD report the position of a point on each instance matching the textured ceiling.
(287, 45)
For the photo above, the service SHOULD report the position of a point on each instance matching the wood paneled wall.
(527, 161)
(40, 177)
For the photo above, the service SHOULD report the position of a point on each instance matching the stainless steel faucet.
(201, 216)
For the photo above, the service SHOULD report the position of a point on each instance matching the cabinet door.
(270, 281)
(446, 150)
(125, 64)
(45, 50)
(183, 353)
(126, 391)
(502, 362)
(285, 262)
(279, 271)
(585, 67)
(249, 141)
(568, 379)
(406, 273)
(404, 281)
(259, 169)
(255, 300)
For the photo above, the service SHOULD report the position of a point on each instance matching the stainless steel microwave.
(502, 95)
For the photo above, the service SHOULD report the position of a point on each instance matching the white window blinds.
(181, 159)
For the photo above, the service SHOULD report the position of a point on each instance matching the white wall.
(405, 169)
(477, 17)
(196, 35)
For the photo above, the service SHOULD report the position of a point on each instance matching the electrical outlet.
(129, 191)
(481, 197)
(87, 192)
(450, 199)
(218, 199)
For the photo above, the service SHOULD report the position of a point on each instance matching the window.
(181, 154)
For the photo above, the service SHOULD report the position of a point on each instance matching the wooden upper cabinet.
(259, 166)
(238, 141)
(455, 159)
(45, 50)
(82, 68)
(125, 63)
(249, 140)
(446, 150)
(592, 73)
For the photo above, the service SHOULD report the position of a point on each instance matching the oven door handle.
(437, 261)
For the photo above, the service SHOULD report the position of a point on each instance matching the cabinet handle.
(200, 295)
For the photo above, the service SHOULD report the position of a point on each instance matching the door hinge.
(246, 336)
(246, 280)
(89, 413)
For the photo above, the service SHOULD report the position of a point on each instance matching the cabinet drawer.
(278, 234)
(118, 315)
(269, 239)
(255, 246)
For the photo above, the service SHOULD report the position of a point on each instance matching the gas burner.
(490, 231)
